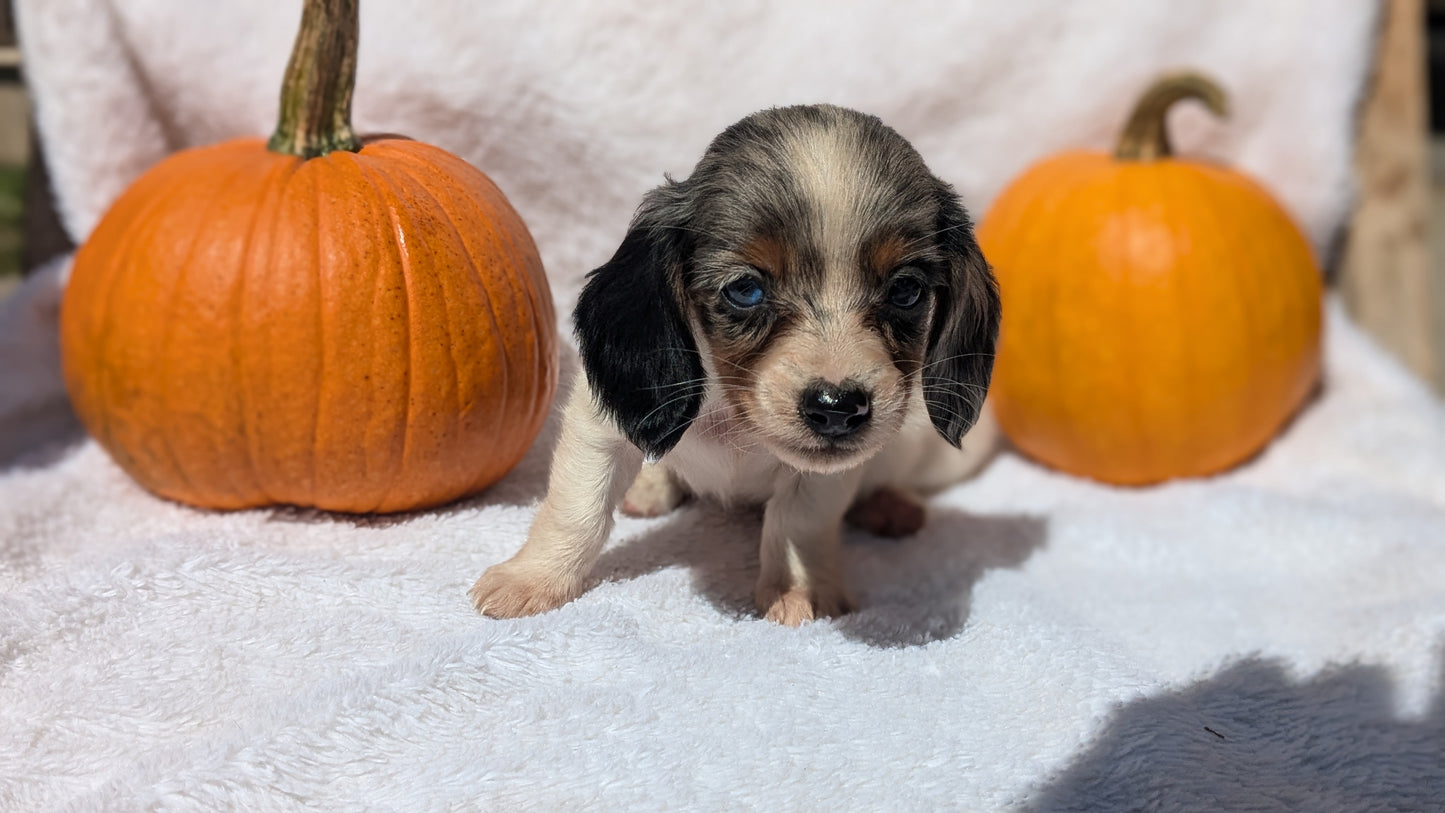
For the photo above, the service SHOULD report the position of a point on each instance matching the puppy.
(806, 323)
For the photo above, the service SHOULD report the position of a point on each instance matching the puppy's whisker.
(667, 403)
(670, 349)
(694, 382)
(939, 406)
(934, 387)
(947, 359)
(950, 411)
(963, 420)
(953, 413)
(943, 386)
(951, 227)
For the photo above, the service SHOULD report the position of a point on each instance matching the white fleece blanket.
(1268, 639)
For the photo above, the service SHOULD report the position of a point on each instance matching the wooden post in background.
(1385, 275)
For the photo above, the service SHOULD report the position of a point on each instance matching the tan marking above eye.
(883, 255)
(767, 254)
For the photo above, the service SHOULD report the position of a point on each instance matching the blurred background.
(14, 143)
(1390, 268)
(30, 233)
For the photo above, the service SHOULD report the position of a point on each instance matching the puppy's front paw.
(887, 513)
(655, 492)
(796, 606)
(512, 590)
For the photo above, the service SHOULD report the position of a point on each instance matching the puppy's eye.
(744, 293)
(905, 292)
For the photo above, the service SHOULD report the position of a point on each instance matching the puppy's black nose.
(832, 410)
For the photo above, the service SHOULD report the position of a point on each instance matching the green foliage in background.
(12, 185)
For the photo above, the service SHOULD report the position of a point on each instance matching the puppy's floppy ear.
(637, 350)
(959, 359)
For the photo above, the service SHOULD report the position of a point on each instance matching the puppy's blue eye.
(905, 292)
(744, 292)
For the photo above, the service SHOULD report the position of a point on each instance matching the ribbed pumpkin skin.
(1160, 319)
(360, 332)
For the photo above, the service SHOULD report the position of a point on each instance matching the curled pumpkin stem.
(1146, 135)
(316, 94)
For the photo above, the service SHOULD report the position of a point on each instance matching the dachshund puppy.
(806, 323)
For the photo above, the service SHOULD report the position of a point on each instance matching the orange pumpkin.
(354, 327)
(1161, 315)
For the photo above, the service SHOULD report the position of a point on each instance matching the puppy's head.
(811, 273)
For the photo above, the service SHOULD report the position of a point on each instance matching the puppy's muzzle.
(834, 410)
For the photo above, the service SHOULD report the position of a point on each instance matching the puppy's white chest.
(718, 459)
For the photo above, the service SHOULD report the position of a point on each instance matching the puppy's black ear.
(636, 347)
(959, 360)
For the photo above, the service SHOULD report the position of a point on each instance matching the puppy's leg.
(802, 570)
(590, 470)
(918, 462)
(655, 492)
(888, 512)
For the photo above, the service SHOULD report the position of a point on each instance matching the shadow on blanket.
(39, 436)
(1250, 738)
(910, 591)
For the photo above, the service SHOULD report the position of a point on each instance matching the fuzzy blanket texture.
(1270, 638)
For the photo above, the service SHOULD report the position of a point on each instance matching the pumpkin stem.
(316, 94)
(1146, 137)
